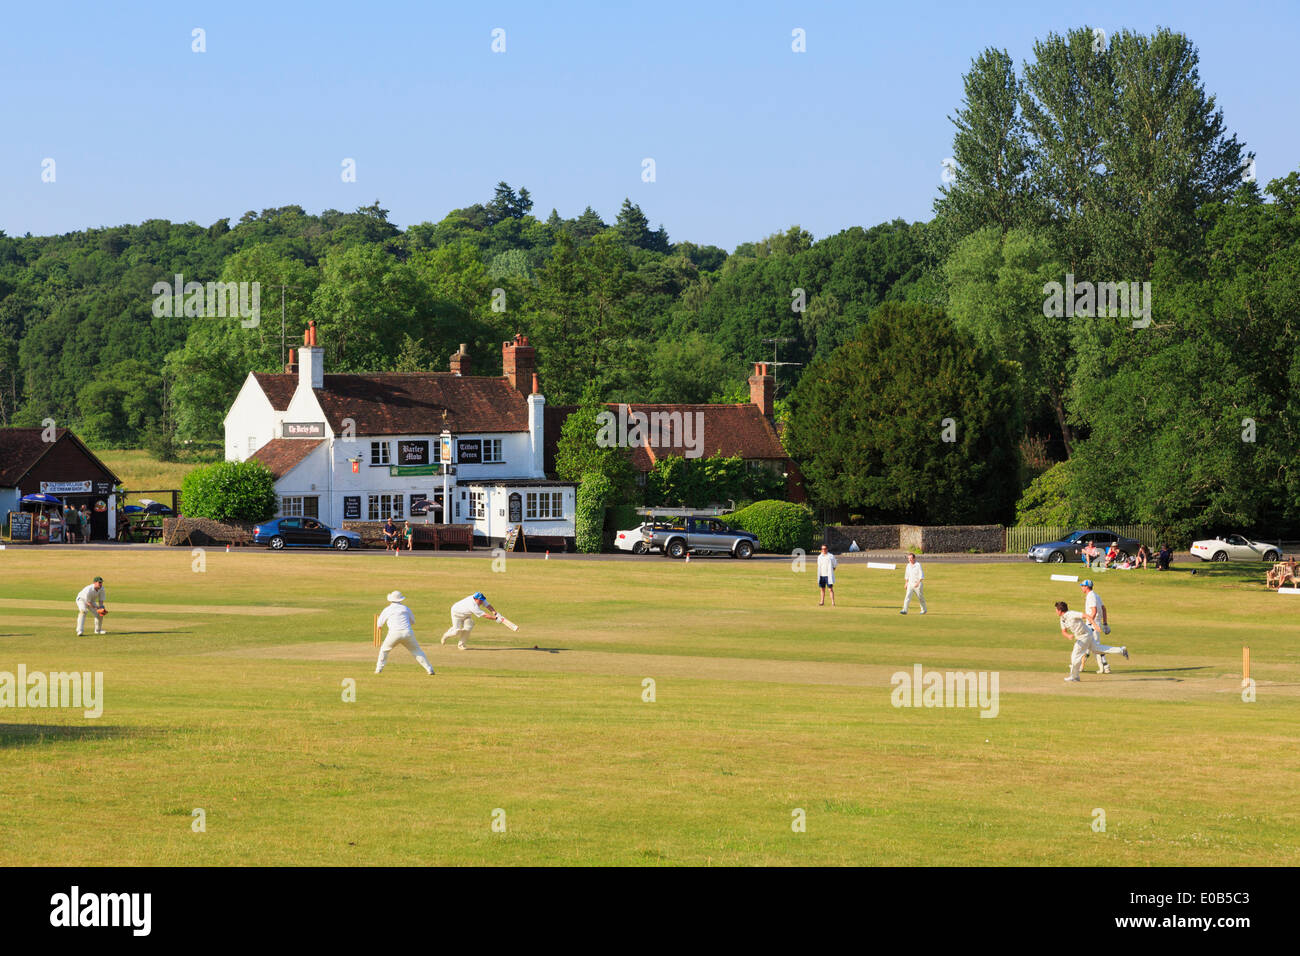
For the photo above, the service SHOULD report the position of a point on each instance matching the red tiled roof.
(282, 455)
(728, 430)
(411, 404)
(22, 448)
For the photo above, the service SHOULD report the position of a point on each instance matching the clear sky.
(748, 137)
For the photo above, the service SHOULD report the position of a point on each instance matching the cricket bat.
(510, 624)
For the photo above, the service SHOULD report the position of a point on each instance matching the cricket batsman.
(401, 623)
(463, 613)
(1095, 611)
(90, 600)
(1074, 625)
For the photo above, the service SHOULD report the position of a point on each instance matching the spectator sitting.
(1090, 553)
(1164, 558)
(1142, 557)
(409, 534)
(390, 535)
(1112, 555)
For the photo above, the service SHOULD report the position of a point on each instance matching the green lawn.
(224, 691)
(140, 471)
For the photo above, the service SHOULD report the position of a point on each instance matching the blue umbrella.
(132, 509)
(41, 499)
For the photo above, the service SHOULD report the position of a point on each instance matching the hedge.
(781, 526)
(230, 491)
(594, 491)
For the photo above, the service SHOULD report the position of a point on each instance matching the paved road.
(897, 557)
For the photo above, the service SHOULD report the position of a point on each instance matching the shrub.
(594, 492)
(781, 526)
(620, 518)
(230, 491)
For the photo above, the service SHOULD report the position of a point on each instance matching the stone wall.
(948, 539)
(870, 537)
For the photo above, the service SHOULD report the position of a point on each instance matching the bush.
(594, 491)
(781, 526)
(230, 491)
(620, 518)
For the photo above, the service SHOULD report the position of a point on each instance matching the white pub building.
(366, 447)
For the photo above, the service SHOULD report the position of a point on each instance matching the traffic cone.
(548, 554)
(688, 557)
(227, 547)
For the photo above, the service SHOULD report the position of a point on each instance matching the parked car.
(634, 539)
(1234, 547)
(1070, 548)
(707, 535)
(281, 533)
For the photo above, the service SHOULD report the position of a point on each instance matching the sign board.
(514, 536)
(413, 453)
(402, 471)
(67, 487)
(103, 488)
(304, 429)
(444, 446)
(352, 508)
(469, 451)
(20, 526)
(516, 507)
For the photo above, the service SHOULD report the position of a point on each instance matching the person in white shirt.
(913, 576)
(826, 565)
(1074, 625)
(89, 600)
(401, 630)
(1095, 611)
(463, 613)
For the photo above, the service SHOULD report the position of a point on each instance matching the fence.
(1023, 537)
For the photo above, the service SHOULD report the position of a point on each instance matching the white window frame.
(544, 506)
(295, 506)
(478, 504)
(385, 505)
(492, 451)
(380, 454)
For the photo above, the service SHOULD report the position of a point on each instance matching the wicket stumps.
(1245, 666)
(377, 641)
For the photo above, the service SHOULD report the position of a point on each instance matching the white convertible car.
(1234, 547)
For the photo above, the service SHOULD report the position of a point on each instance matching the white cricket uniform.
(87, 600)
(1095, 611)
(1085, 639)
(401, 630)
(463, 613)
(913, 576)
(826, 565)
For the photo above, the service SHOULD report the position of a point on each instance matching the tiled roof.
(22, 448)
(282, 455)
(728, 430)
(411, 404)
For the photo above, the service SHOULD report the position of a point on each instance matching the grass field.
(138, 470)
(224, 691)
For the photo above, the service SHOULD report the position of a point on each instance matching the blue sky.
(748, 137)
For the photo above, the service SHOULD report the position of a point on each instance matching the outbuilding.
(56, 462)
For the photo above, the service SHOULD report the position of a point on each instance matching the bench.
(437, 537)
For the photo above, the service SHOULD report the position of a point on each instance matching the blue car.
(281, 533)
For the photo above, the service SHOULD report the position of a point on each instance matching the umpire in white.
(914, 577)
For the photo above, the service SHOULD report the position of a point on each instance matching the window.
(379, 453)
(492, 450)
(477, 504)
(541, 505)
(308, 505)
(252, 444)
(383, 507)
(437, 451)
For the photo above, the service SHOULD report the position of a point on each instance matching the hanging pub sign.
(352, 508)
(413, 452)
(469, 451)
(516, 508)
(304, 429)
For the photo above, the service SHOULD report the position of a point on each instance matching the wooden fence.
(1023, 537)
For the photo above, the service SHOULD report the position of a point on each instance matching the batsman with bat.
(463, 613)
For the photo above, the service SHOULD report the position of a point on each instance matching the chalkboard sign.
(514, 536)
(516, 507)
(352, 508)
(20, 526)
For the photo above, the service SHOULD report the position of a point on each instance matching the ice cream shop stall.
(46, 472)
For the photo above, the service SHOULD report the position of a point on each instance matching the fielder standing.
(914, 577)
(90, 600)
(463, 613)
(826, 565)
(1095, 611)
(1075, 626)
(401, 624)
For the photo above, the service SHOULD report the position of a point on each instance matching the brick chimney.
(762, 389)
(292, 367)
(311, 359)
(518, 363)
(460, 360)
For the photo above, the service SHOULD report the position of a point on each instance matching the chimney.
(518, 363)
(762, 389)
(311, 360)
(460, 360)
(292, 367)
